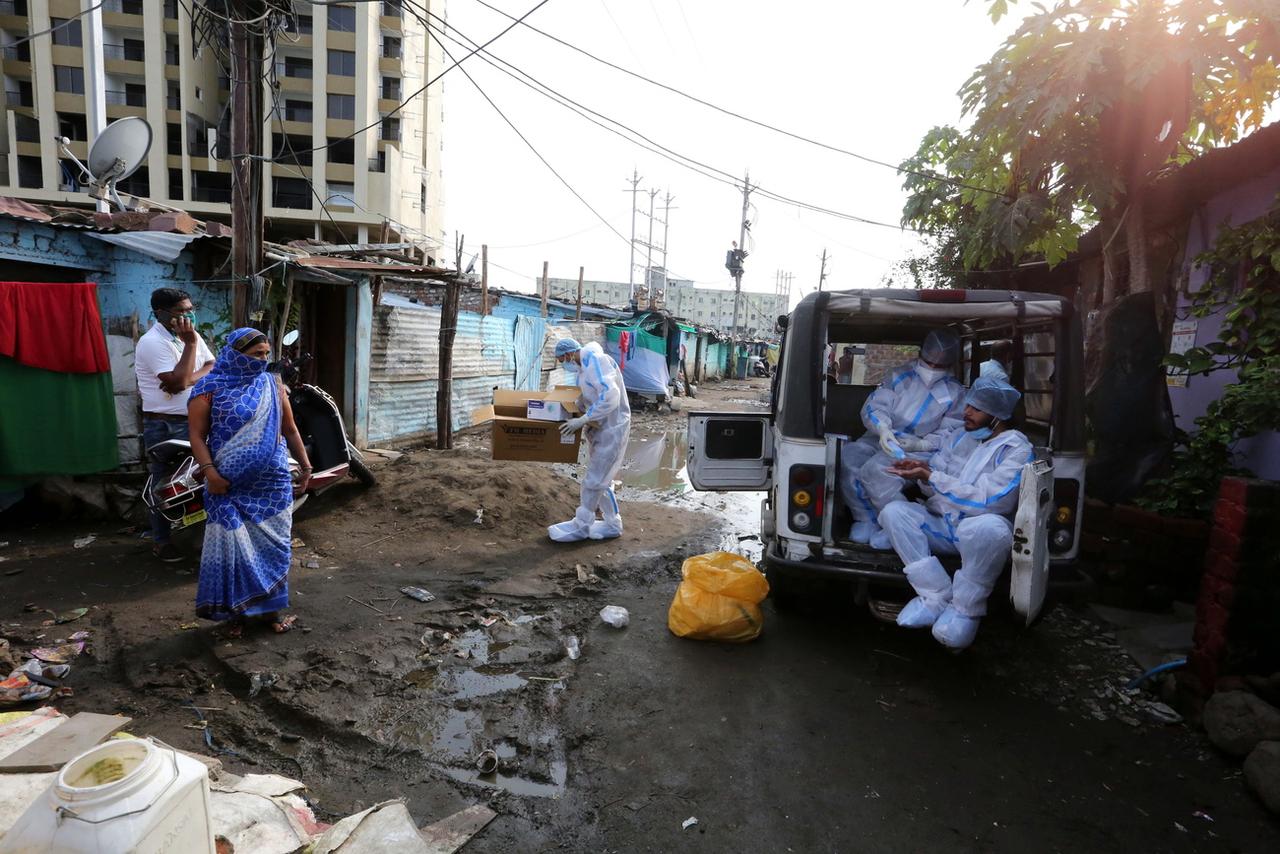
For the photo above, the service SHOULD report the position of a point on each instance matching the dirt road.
(829, 733)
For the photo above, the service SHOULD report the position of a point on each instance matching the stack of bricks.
(1236, 632)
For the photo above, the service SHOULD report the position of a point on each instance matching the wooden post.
(444, 393)
(544, 288)
(578, 315)
(288, 306)
(484, 278)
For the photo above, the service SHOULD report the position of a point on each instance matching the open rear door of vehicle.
(730, 451)
(1030, 577)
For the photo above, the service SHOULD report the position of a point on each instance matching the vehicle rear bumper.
(1066, 579)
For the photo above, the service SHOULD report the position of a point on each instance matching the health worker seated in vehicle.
(971, 485)
(905, 416)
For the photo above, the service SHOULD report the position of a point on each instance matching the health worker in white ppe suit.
(606, 414)
(971, 486)
(905, 418)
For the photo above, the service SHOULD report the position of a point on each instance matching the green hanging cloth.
(54, 423)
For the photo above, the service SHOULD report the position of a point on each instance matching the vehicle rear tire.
(361, 473)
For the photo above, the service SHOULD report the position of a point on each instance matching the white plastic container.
(127, 795)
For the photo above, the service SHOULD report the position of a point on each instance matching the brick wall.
(1236, 613)
(431, 293)
(882, 358)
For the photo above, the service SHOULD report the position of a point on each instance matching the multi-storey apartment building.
(757, 312)
(335, 70)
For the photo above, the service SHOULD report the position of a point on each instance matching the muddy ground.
(830, 733)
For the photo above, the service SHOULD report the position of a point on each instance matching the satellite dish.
(116, 154)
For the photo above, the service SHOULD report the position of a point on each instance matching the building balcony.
(19, 99)
(17, 53)
(125, 7)
(128, 52)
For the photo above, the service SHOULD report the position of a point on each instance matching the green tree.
(1080, 107)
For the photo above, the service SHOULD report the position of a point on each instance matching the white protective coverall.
(972, 496)
(913, 409)
(604, 403)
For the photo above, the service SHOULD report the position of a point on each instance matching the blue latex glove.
(890, 445)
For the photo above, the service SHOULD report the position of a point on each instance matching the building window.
(171, 51)
(135, 94)
(211, 186)
(379, 163)
(173, 95)
(73, 126)
(66, 31)
(391, 9)
(342, 19)
(175, 184)
(391, 47)
(291, 193)
(391, 129)
(291, 148)
(297, 66)
(422, 197)
(391, 88)
(173, 139)
(127, 7)
(137, 184)
(297, 111)
(340, 195)
(68, 79)
(301, 25)
(26, 128)
(342, 150)
(342, 63)
(171, 12)
(30, 171)
(342, 106)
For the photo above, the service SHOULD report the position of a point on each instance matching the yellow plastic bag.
(719, 599)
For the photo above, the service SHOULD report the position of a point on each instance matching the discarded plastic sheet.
(572, 647)
(70, 616)
(81, 542)
(449, 834)
(385, 827)
(58, 654)
(615, 615)
(688, 822)
(480, 516)
(418, 593)
(258, 681)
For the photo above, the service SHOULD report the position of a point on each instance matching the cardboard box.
(516, 436)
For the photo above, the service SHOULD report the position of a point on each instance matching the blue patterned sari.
(244, 567)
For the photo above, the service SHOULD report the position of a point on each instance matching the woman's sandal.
(284, 624)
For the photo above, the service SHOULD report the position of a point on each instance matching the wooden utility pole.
(544, 288)
(448, 330)
(578, 314)
(822, 274)
(484, 278)
(245, 150)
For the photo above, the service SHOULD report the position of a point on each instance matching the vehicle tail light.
(1062, 525)
(806, 484)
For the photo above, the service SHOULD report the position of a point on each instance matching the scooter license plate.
(194, 518)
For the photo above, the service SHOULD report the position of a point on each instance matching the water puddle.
(516, 784)
(655, 469)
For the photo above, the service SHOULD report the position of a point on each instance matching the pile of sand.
(454, 486)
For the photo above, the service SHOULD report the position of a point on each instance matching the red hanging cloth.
(624, 342)
(55, 326)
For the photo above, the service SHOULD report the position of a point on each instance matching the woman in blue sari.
(240, 419)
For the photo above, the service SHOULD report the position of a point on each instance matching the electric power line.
(68, 22)
(834, 148)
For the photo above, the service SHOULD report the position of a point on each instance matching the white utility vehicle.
(792, 453)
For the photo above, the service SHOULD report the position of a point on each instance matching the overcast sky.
(871, 78)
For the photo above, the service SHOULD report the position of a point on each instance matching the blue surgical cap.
(565, 346)
(994, 397)
(940, 347)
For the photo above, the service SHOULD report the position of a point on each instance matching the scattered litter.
(418, 593)
(1180, 827)
(1160, 713)
(451, 834)
(312, 564)
(615, 615)
(585, 575)
(70, 616)
(480, 516)
(83, 541)
(688, 823)
(488, 621)
(572, 647)
(367, 605)
(82, 635)
(186, 627)
(487, 762)
(258, 681)
(1202, 814)
(58, 654)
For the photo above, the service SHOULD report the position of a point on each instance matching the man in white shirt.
(168, 360)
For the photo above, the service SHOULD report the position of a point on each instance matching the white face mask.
(928, 374)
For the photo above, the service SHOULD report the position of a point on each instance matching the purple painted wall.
(1239, 205)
